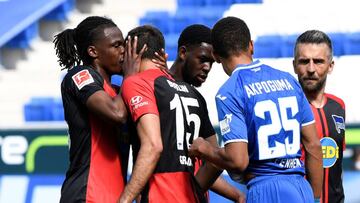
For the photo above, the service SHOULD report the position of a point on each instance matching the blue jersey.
(266, 108)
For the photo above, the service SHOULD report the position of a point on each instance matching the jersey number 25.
(279, 121)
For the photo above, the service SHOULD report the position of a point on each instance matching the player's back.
(269, 108)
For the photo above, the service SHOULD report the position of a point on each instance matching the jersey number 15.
(181, 104)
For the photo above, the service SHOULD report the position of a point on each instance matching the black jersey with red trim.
(330, 125)
(95, 173)
(183, 117)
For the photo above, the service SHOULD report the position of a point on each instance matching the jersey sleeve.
(231, 118)
(206, 128)
(83, 82)
(139, 97)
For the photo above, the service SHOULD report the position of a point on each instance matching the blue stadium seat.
(184, 18)
(159, 19)
(23, 39)
(267, 46)
(225, 3)
(352, 44)
(117, 80)
(337, 40)
(57, 110)
(171, 41)
(247, 1)
(44, 109)
(61, 12)
(287, 45)
(22, 19)
(190, 3)
(39, 109)
(209, 15)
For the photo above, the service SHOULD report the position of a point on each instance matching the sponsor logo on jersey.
(330, 151)
(222, 98)
(82, 79)
(137, 101)
(225, 124)
(339, 122)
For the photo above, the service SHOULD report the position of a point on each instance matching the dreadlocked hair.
(71, 44)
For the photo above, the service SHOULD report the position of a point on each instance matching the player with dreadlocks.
(91, 53)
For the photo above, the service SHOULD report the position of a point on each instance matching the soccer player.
(263, 117)
(192, 65)
(312, 63)
(91, 53)
(167, 115)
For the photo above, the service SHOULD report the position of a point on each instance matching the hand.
(131, 64)
(241, 198)
(160, 60)
(196, 146)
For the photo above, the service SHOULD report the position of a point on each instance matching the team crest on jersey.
(82, 79)
(339, 122)
(330, 151)
(225, 124)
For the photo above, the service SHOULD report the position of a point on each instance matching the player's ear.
(251, 47)
(182, 52)
(331, 67)
(216, 56)
(294, 65)
(92, 51)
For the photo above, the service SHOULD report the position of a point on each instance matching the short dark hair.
(71, 44)
(313, 37)
(150, 36)
(194, 34)
(229, 36)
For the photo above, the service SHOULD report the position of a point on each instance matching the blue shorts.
(279, 188)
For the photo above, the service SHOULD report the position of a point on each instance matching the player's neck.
(175, 70)
(147, 64)
(233, 61)
(317, 100)
(105, 75)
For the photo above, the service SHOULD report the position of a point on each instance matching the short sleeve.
(83, 82)
(206, 129)
(139, 97)
(231, 118)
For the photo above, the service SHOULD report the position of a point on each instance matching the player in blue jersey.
(263, 117)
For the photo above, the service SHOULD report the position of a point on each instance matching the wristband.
(316, 200)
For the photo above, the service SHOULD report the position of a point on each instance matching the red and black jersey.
(183, 117)
(95, 173)
(330, 124)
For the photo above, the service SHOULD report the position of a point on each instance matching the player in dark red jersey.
(192, 65)
(167, 115)
(91, 53)
(313, 61)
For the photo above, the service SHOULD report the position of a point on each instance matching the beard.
(187, 77)
(314, 87)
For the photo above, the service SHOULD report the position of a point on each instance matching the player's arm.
(220, 186)
(148, 128)
(113, 109)
(313, 158)
(110, 109)
(234, 156)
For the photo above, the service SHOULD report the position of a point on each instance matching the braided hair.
(71, 44)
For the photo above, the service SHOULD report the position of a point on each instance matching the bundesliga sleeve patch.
(82, 79)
